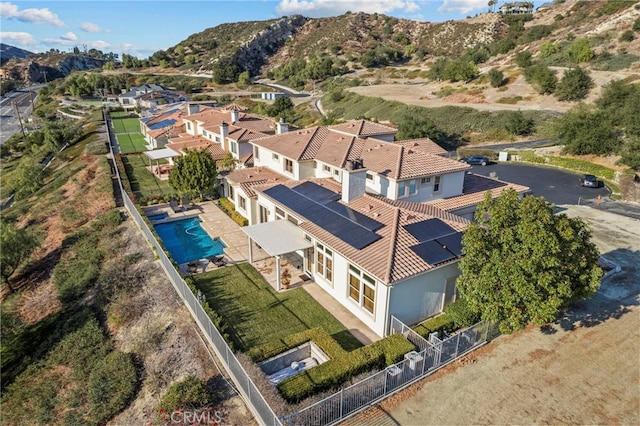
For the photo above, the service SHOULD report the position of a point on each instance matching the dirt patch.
(36, 303)
(583, 369)
(153, 323)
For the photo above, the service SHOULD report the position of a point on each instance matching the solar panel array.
(320, 206)
(162, 124)
(438, 242)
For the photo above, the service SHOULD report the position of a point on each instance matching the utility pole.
(24, 136)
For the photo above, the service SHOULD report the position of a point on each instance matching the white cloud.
(33, 16)
(463, 6)
(18, 38)
(324, 8)
(69, 36)
(90, 27)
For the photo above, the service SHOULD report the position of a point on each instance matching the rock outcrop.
(253, 54)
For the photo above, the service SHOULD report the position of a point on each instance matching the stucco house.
(361, 214)
(516, 8)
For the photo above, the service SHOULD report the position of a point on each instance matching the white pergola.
(277, 237)
(159, 154)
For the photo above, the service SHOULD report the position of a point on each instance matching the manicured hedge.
(228, 207)
(468, 152)
(571, 164)
(440, 323)
(320, 337)
(336, 371)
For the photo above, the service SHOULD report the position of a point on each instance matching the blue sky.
(140, 28)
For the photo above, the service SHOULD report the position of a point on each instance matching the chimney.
(193, 109)
(235, 115)
(281, 126)
(354, 181)
(224, 132)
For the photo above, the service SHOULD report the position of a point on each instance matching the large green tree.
(17, 244)
(193, 174)
(582, 131)
(522, 263)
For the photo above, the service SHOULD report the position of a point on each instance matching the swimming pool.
(186, 240)
(158, 216)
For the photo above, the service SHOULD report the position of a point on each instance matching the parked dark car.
(476, 159)
(590, 181)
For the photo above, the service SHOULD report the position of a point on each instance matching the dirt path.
(584, 369)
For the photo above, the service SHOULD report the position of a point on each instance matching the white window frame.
(326, 168)
(437, 183)
(288, 165)
(256, 152)
(234, 147)
(242, 203)
(425, 180)
(358, 284)
(275, 157)
(324, 262)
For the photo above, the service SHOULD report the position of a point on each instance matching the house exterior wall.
(421, 297)
(450, 185)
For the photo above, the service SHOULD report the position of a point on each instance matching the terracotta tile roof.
(293, 144)
(424, 145)
(197, 142)
(231, 107)
(253, 177)
(363, 128)
(255, 123)
(390, 258)
(241, 134)
(418, 157)
(474, 190)
(169, 132)
(216, 151)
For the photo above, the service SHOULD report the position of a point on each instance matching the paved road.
(557, 186)
(9, 124)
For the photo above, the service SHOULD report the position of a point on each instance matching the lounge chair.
(186, 203)
(193, 267)
(218, 261)
(175, 207)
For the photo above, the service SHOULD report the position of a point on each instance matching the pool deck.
(219, 225)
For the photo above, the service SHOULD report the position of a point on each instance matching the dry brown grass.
(37, 302)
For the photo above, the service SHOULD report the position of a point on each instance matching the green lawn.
(131, 142)
(256, 314)
(142, 179)
(126, 125)
(119, 114)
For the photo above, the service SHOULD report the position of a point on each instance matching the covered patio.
(161, 171)
(279, 239)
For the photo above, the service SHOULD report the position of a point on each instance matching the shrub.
(627, 36)
(336, 371)
(547, 49)
(523, 59)
(541, 77)
(189, 392)
(441, 323)
(112, 383)
(468, 152)
(496, 77)
(461, 314)
(636, 25)
(320, 337)
(575, 85)
(97, 148)
(228, 207)
(579, 51)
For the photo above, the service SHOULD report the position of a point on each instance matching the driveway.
(557, 186)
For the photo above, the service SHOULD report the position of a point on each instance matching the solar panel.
(430, 229)
(161, 124)
(316, 192)
(341, 227)
(354, 216)
(432, 252)
(453, 243)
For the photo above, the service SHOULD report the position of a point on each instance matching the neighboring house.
(163, 97)
(516, 8)
(164, 124)
(362, 215)
(129, 99)
(231, 128)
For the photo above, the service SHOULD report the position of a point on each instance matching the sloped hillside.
(8, 52)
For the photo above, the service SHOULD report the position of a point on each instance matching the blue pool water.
(186, 240)
(159, 216)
